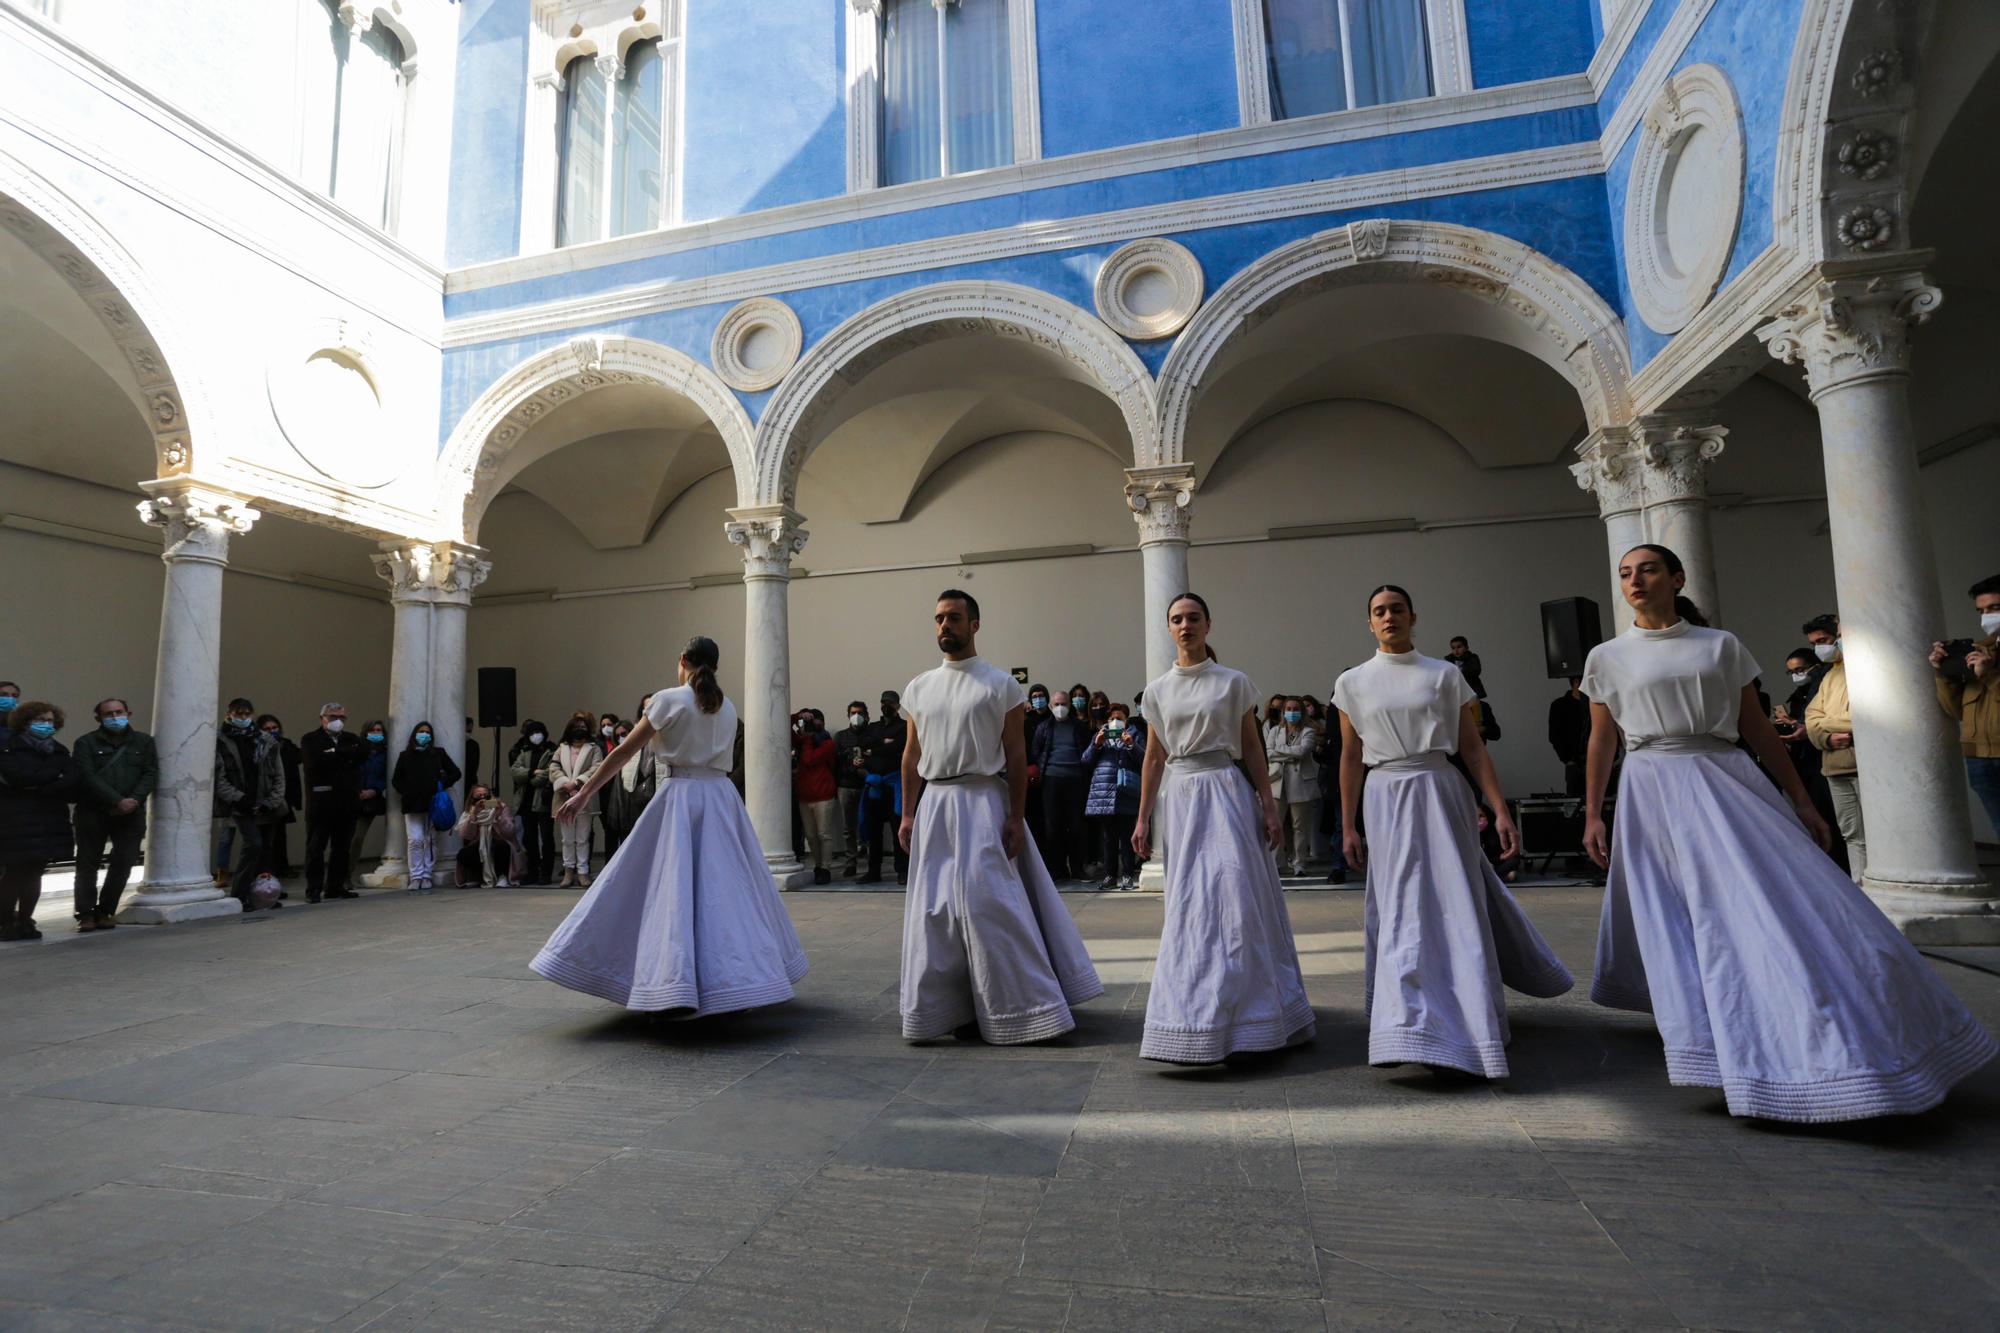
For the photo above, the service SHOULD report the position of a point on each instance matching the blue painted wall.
(483, 219)
(765, 105)
(1128, 71)
(1513, 41)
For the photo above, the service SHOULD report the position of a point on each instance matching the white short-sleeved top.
(1403, 705)
(960, 712)
(1684, 680)
(688, 737)
(1199, 709)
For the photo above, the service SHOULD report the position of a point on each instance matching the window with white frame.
(354, 74)
(1309, 57)
(614, 145)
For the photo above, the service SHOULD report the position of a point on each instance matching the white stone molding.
(457, 570)
(406, 568)
(1303, 199)
(1444, 31)
(1621, 25)
(756, 344)
(786, 434)
(118, 292)
(1570, 327)
(1149, 288)
(1025, 68)
(470, 463)
(1684, 197)
(1608, 468)
(1676, 454)
(352, 451)
(769, 536)
(197, 520)
(1162, 502)
(1855, 325)
(1653, 73)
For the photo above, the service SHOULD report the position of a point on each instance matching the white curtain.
(1391, 57)
(580, 177)
(979, 91)
(910, 149)
(371, 106)
(1308, 76)
(638, 149)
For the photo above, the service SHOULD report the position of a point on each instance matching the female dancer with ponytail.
(685, 916)
(1228, 974)
(1443, 934)
(1770, 975)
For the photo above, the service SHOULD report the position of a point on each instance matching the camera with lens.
(1953, 666)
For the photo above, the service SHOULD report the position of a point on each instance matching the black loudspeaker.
(1570, 630)
(496, 696)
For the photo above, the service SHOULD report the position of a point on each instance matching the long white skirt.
(685, 916)
(1443, 933)
(1769, 974)
(1228, 975)
(985, 938)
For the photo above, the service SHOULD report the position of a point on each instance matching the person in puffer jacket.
(1114, 757)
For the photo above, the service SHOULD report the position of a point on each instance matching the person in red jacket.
(813, 784)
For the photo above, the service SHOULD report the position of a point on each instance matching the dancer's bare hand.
(1014, 836)
(1142, 839)
(905, 829)
(1597, 842)
(1274, 826)
(1510, 837)
(1815, 826)
(1354, 848)
(575, 807)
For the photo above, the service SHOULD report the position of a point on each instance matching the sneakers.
(500, 883)
(423, 885)
(1107, 884)
(1128, 883)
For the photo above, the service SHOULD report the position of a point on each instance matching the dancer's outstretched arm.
(1149, 787)
(642, 731)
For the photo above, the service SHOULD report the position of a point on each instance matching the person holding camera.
(1830, 727)
(1968, 685)
(1115, 756)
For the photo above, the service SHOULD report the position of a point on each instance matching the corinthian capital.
(197, 520)
(406, 568)
(1609, 467)
(456, 570)
(1162, 501)
(770, 536)
(1676, 452)
(1855, 324)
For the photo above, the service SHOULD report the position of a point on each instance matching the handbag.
(443, 813)
(1128, 778)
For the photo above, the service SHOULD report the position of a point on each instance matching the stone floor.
(370, 1115)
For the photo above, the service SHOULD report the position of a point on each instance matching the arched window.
(947, 88)
(613, 173)
(353, 80)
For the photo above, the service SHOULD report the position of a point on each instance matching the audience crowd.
(87, 800)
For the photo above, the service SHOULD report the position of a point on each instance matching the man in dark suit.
(332, 762)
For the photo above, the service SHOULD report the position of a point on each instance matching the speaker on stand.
(496, 708)
(1570, 629)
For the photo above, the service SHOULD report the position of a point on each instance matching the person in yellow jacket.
(1972, 695)
(1830, 727)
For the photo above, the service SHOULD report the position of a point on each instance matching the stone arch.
(112, 283)
(925, 314)
(1563, 322)
(470, 465)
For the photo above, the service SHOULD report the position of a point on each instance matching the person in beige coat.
(1830, 727)
(570, 765)
(1289, 744)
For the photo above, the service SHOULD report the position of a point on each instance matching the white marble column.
(1610, 470)
(1161, 500)
(1675, 454)
(197, 522)
(406, 566)
(1852, 334)
(455, 572)
(770, 536)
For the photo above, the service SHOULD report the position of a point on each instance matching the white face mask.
(537, 737)
(604, 731)
(1989, 623)
(1827, 652)
(1801, 677)
(1060, 710)
(336, 724)
(856, 720)
(1115, 725)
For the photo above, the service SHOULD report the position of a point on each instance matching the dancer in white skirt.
(1443, 934)
(684, 917)
(1769, 973)
(986, 938)
(1228, 978)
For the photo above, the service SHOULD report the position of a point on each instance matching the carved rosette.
(1162, 502)
(197, 522)
(769, 535)
(1609, 468)
(1676, 457)
(1853, 328)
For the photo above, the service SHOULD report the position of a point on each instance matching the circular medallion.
(1149, 288)
(756, 343)
(1685, 197)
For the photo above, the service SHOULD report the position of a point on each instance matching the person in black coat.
(422, 771)
(1569, 733)
(331, 760)
(38, 779)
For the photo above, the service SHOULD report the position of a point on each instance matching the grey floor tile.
(428, 1101)
(529, 1283)
(923, 1218)
(1196, 1239)
(458, 1176)
(796, 1107)
(919, 1136)
(286, 1090)
(67, 1248)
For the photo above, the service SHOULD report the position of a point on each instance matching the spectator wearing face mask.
(607, 732)
(489, 837)
(881, 811)
(528, 761)
(848, 778)
(1115, 756)
(1969, 689)
(422, 771)
(374, 802)
(1467, 661)
(1032, 722)
(10, 695)
(1830, 726)
(120, 768)
(1059, 748)
(813, 752)
(272, 825)
(1290, 746)
(240, 713)
(570, 765)
(249, 786)
(331, 759)
(38, 779)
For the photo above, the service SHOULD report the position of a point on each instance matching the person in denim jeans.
(1970, 692)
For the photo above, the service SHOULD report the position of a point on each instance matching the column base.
(1153, 875)
(391, 872)
(787, 872)
(1955, 913)
(168, 904)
